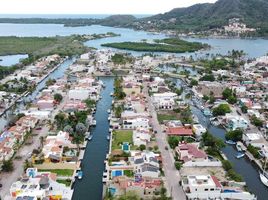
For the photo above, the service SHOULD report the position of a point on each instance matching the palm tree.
(41, 138)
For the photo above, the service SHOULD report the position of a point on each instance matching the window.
(206, 189)
(211, 189)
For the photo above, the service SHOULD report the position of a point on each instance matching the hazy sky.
(93, 6)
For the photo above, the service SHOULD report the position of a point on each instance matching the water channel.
(90, 187)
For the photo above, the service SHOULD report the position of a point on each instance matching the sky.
(93, 6)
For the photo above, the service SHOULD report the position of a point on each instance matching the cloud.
(93, 6)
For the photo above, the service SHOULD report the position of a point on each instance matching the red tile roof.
(180, 131)
(216, 181)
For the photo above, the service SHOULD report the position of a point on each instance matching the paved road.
(171, 173)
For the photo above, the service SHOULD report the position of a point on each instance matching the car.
(38, 128)
(1, 185)
(166, 147)
(155, 131)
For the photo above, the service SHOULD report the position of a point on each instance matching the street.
(171, 173)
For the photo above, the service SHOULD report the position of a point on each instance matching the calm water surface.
(11, 59)
(90, 187)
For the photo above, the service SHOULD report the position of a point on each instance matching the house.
(46, 104)
(198, 130)
(164, 101)
(192, 156)
(255, 139)
(54, 148)
(207, 87)
(39, 185)
(145, 164)
(141, 136)
(144, 187)
(209, 187)
(139, 122)
(236, 122)
(179, 131)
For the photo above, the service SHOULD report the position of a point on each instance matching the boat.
(89, 137)
(240, 155)
(80, 175)
(108, 137)
(111, 94)
(94, 122)
(264, 175)
(108, 111)
(231, 142)
(240, 147)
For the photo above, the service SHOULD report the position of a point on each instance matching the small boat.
(264, 175)
(94, 122)
(80, 175)
(89, 137)
(264, 178)
(108, 137)
(231, 142)
(240, 155)
(239, 146)
(111, 94)
(109, 118)
(108, 111)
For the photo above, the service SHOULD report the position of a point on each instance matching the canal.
(248, 170)
(58, 73)
(90, 187)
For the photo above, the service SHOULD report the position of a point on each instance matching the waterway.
(248, 170)
(90, 187)
(58, 73)
(10, 60)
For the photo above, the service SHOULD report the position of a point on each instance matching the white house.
(164, 101)
(134, 123)
(141, 136)
(236, 122)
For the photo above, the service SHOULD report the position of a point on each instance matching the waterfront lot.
(59, 172)
(120, 137)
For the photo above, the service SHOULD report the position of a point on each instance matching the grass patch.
(166, 117)
(129, 173)
(122, 136)
(66, 182)
(59, 172)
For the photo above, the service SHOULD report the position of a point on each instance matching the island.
(171, 45)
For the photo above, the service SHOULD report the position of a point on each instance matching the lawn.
(66, 182)
(59, 172)
(166, 117)
(121, 136)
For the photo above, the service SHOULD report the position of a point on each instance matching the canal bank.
(243, 166)
(90, 187)
(248, 170)
(55, 74)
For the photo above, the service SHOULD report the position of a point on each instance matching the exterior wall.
(204, 163)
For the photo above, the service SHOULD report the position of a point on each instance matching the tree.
(118, 110)
(173, 141)
(222, 109)
(90, 103)
(235, 135)
(256, 121)
(142, 147)
(178, 165)
(193, 82)
(27, 164)
(41, 139)
(244, 109)
(69, 129)
(60, 120)
(207, 77)
(227, 93)
(232, 99)
(58, 97)
(80, 129)
(227, 165)
(7, 166)
(50, 82)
